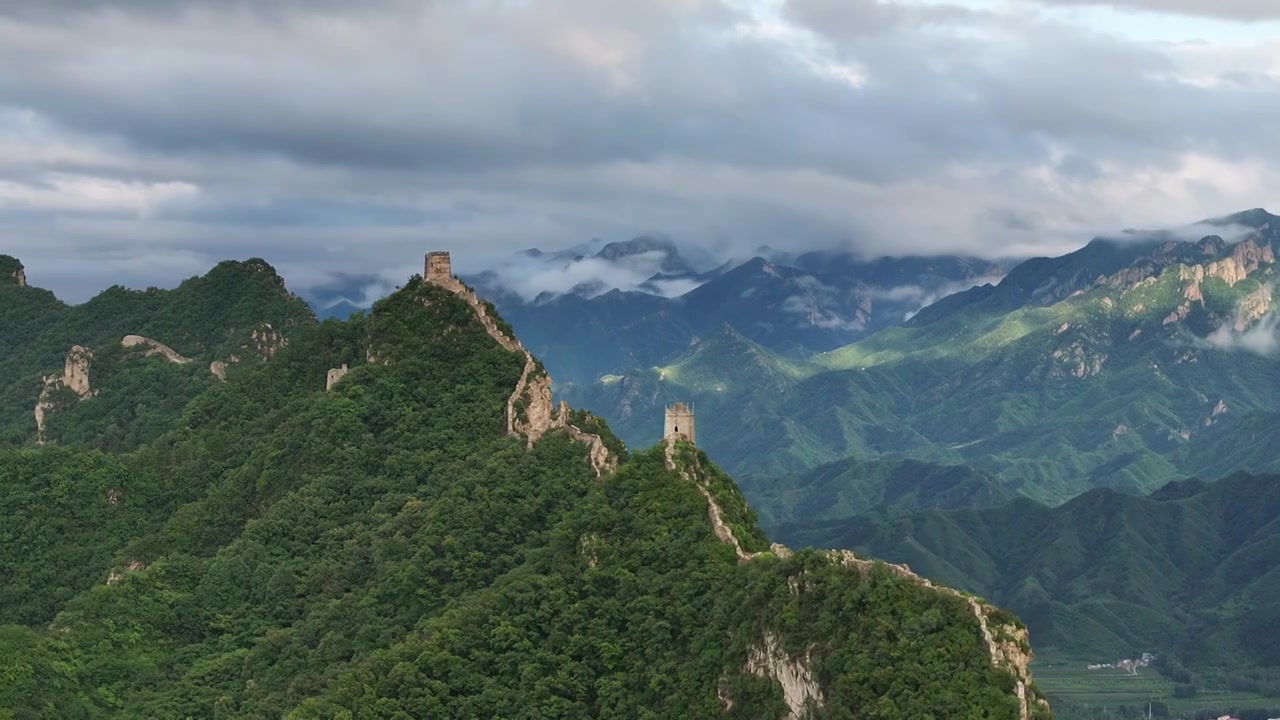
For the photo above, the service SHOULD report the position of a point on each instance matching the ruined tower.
(438, 267)
(335, 375)
(679, 423)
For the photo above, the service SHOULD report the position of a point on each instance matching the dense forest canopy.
(188, 546)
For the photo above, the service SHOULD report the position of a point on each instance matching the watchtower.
(679, 423)
(438, 267)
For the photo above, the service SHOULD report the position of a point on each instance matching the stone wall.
(335, 376)
(678, 424)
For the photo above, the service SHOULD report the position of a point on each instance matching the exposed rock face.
(793, 674)
(75, 373)
(1252, 307)
(265, 341)
(19, 275)
(1245, 257)
(1077, 359)
(118, 574)
(218, 369)
(1178, 315)
(1193, 276)
(335, 375)
(153, 347)
(74, 377)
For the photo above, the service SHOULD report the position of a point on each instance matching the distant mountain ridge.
(1188, 572)
(1118, 365)
(602, 308)
(823, 301)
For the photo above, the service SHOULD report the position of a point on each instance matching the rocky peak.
(1246, 256)
(12, 270)
(672, 262)
(74, 377)
(75, 373)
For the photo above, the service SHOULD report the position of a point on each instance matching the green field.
(1077, 693)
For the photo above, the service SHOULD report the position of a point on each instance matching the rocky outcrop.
(19, 275)
(1246, 256)
(75, 372)
(118, 574)
(799, 688)
(74, 377)
(153, 347)
(1077, 359)
(1193, 276)
(1178, 315)
(335, 376)
(529, 407)
(1219, 409)
(266, 342)
(1252, 307)
(218, 369)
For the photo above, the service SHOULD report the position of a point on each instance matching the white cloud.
(1262, 338)
(80, 193)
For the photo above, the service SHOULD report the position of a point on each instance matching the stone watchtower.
(438, 267)
(679, 423)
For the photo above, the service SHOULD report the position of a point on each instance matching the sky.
(143, 141)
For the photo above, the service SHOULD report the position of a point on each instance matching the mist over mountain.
(1119, 365)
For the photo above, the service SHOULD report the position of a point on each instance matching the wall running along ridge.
(533, 388)
(1008, 645)
(154, 347)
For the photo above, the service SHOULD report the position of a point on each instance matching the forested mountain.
(1125, 364)
(1188, 573)
(239, 313)
(386, 518)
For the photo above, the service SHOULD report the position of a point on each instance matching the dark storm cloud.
(178, 133)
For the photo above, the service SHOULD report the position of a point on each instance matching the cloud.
(918, 297)
(1262, 338)
(1230, 233)
(1248, 10)
(79, 193)
(530, 277)
(331, 136)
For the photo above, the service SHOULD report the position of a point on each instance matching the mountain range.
(1125, 364)
(217, 506)
(605, 308)
(1188, 573)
